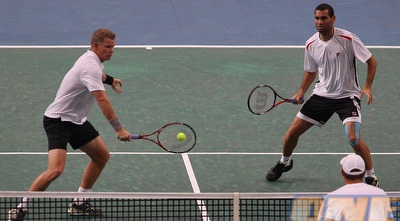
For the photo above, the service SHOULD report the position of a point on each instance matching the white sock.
(24, 204)
(370, 173)
(80, 201)
(286, 160)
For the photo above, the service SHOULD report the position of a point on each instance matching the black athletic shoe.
(275, 172)
(16, 214)
(84, 209)
(372, 180)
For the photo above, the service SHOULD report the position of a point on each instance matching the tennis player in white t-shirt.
(355, 200)
(65, 121)
(331, 55)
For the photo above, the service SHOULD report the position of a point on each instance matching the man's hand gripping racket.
(174, 137)
(263, 98)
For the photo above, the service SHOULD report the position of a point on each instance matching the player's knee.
(353, 136)
(106, 158)
(353, 141)
(53, 174)
(102, 159)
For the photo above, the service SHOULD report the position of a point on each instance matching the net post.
(236, 207)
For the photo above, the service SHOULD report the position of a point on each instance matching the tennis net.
(175, 206)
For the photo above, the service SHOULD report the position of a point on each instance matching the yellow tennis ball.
(181, 136)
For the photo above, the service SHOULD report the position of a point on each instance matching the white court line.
(195, 186)
(177, 46)
(311, 153)
(197, 153)
(190, 172)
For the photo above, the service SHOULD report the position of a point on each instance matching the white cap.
(353, 164)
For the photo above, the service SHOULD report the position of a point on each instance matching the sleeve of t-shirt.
(360, 50)
(91, 78)
(309, 63)
(325, 211)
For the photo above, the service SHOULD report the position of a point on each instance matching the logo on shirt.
(337, 54)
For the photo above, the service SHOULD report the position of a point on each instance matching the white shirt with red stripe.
(335, 61)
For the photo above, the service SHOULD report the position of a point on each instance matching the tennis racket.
(168, 139)
(263, 98)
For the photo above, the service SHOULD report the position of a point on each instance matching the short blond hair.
(100, 34)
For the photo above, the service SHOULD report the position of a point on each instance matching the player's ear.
(94, 45)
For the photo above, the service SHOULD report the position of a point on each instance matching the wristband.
(115, 124)
(109, 80)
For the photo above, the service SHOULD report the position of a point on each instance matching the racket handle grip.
(135, 136)
(294, 101)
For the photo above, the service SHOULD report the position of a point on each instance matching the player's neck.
(348, 181)
(326, 36)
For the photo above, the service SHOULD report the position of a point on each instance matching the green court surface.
(206, 88)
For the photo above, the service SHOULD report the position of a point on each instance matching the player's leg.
(57, 136)
(99, 156)
(350, 113)
(56, 164)
(298, 127)
(97, 150)
(86, 138)
(353, 133)
(313, 112)
(57, 159)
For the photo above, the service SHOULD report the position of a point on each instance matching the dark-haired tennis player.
(331, 55)
(65, 121)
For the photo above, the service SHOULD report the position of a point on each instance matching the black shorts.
(318, 110)
(59, 133)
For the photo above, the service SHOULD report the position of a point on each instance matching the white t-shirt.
(335, 61)
(357, 201)
(74, 99)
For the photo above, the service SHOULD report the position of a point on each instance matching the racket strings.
(262, 99)
(168, 138)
